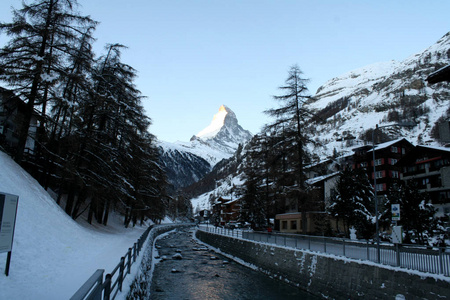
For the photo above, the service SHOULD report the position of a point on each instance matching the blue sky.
(193, 56)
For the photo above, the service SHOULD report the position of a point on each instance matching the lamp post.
(377, 230)
(409, 124)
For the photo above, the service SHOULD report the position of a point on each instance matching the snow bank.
(52, 255)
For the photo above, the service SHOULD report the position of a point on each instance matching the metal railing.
(92, 289)
(432, 260)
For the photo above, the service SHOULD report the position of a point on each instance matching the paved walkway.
(189, 271)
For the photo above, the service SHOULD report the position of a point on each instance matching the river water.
(187, 270)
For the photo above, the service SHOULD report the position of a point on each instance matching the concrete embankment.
(330, 276)
(140, 287)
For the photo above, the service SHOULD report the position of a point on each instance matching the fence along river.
(435, 260)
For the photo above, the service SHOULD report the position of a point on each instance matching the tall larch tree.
(42, 34)
(290, 119)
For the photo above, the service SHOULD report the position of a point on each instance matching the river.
(187, 270)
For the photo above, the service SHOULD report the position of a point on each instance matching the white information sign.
(395, 209)
(8, 209)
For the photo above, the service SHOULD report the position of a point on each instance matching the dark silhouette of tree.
(288, 130)
(44, 35)
(93, 144)
(417, 211)
(353, 202)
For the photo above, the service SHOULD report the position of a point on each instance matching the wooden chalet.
(226, 210)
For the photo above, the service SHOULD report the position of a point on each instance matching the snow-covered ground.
(52, 255)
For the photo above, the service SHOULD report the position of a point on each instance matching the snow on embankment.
(52, 255)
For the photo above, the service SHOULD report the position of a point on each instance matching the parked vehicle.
(231, 225)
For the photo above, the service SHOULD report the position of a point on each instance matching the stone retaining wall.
(140, 287)
(330, 276)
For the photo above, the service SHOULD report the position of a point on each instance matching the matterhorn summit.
(187, 162)
(217, 123)
(224, 133)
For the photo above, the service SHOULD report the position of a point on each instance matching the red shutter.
(383, 173)
(384, 186)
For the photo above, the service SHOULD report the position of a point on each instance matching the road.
(188, 270)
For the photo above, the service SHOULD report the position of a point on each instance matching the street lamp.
(377, 230)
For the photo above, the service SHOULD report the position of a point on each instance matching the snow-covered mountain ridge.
(187, 162)
(383, 93)
(224, 134)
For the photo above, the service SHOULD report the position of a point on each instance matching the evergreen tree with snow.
(417, 211)
(45, 34)
(353, 203)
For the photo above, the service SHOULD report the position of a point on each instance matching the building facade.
(429, 168)
(386, 157)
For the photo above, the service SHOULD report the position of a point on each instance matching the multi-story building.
(429, 168)
(386, 156)
(225, 210)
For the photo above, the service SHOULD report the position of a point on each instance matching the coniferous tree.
(254, 194)
(290, 136)
(417, 211)
(353, 203)
(43, 36)
(93, 140)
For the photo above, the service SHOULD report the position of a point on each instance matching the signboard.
(397, 235)
(395, 209)
(8, 209)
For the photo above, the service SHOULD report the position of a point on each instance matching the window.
(411, 168)
(363, 164)
(393, 161)
(394, 149)
(294, 225)
(379, 174)
(283, 224)
(380, 187)
(378, 162)
(395, 174)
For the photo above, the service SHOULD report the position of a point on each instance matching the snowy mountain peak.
(224, 116)
(189, 161)
(224, 133)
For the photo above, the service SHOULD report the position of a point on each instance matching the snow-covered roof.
(447, 149)
(387, 144)
(320, 178)
(443, 74)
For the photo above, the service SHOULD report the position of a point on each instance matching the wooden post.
(134, 252)
(107, 287)
(121, 268)
(8, 263)
(129, 260)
